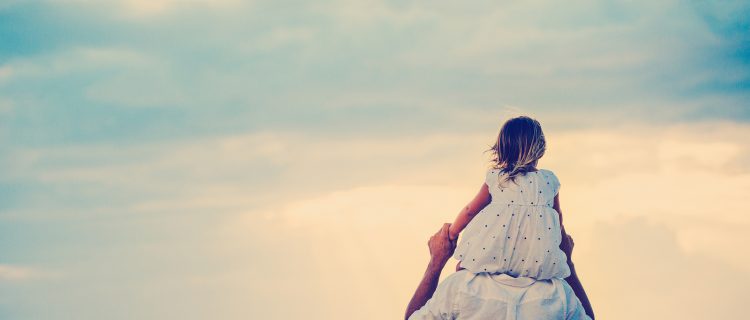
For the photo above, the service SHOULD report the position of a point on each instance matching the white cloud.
(6, 106)
(147, 8)
(636, 270)
(20, 273)
(686, 177)
(76, 60)
(135, 78)
(363, 14)
(283, 36)
(5, 73)
(366, 241)
(155, 7)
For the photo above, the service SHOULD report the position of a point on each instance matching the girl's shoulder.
(499, 172)
(491, 171)
(546, 172)
(550, 176)
(493, 174)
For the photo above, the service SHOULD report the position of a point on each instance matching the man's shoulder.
(455, 282)
(482, 284)
(459, 277)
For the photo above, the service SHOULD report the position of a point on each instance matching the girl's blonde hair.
(519, 146)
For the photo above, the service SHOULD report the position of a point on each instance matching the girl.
(514, 224)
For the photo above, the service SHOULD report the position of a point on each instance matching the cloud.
(690, 178)
(636, 270)
(142, 8)
(14, 273)
(367, 241)
(6, 107)
(136, 78)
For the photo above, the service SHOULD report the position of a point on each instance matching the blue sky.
(162, 158)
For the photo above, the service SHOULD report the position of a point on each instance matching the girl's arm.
(481, 200)
(566, 245)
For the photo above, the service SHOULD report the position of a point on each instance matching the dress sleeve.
(443, 304)
(490, 177)
(554, 182)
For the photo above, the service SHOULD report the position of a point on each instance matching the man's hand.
(441, 247)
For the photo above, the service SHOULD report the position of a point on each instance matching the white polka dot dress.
(518, 233)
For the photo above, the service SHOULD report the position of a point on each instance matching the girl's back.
(518, 232)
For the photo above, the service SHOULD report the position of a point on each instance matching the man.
(464, 295)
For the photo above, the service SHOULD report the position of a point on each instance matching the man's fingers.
(441, 235)
(445, 228)
(441, 247)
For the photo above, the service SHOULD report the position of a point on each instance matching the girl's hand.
(570, 243)
(452, 233)
(566, 245)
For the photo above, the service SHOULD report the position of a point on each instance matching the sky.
(227, 159)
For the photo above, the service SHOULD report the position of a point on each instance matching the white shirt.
(465, 295)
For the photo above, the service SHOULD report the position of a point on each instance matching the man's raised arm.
(441, 249)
